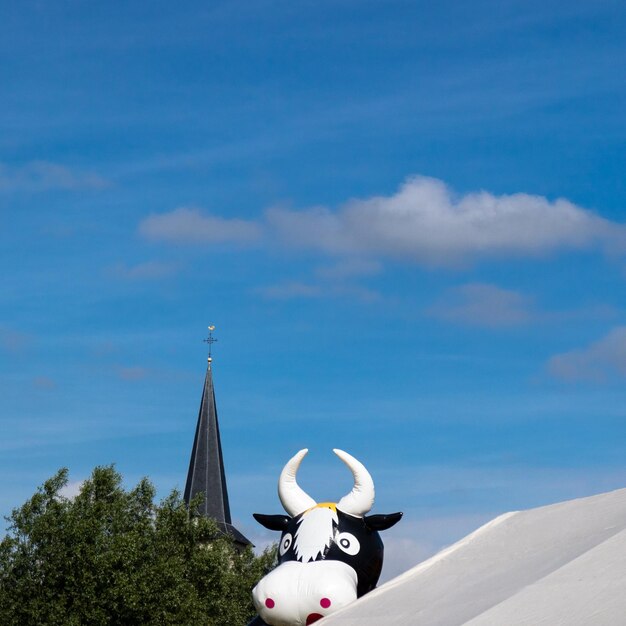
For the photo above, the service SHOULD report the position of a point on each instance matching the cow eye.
(285, 543)
(348, 543)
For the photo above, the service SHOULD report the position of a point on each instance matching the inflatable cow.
(329, 554)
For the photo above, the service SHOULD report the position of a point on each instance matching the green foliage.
(114, 557)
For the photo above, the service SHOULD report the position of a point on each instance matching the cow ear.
(272, 522)
(381, 522)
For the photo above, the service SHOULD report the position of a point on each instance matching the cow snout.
(299, 594)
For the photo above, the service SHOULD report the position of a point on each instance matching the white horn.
(361, 499)
(293, 499)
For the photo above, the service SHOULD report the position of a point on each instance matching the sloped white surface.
(559, 565)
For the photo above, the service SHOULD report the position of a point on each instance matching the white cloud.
(599, 361)
(72, 489)
(41, 175)
(425, 222)
(481, 304)
(188, 225)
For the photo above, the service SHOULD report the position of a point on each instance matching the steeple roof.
(206, 467)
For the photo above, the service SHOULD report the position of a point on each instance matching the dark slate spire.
(206, 467)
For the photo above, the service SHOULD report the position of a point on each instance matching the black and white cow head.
(329, 553)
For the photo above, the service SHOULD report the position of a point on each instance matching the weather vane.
(210, 340)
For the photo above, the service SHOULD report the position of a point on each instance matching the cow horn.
(361, 499)
(293, 499)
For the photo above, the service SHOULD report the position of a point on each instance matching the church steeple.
(206, 467)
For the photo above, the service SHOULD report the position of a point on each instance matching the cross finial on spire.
(210, 340)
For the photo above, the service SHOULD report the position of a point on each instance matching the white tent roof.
(563, 564)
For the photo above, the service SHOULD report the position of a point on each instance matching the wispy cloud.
(599, 361)
(137, 373)
(296, 290)
(289, 290)
(480, 304)
(188, 225)
(149, 270)
(349, 268)
(44, 382)
(13, 341)
(483, 304)
(425, 222)
(43, 175)
(133, 374)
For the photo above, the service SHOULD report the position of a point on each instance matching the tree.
(114, 557)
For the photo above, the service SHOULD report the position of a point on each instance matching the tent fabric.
(563, 564)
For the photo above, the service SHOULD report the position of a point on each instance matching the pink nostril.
(324, 603)
(269, 603)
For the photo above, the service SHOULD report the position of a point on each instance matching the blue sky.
(406, 220)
